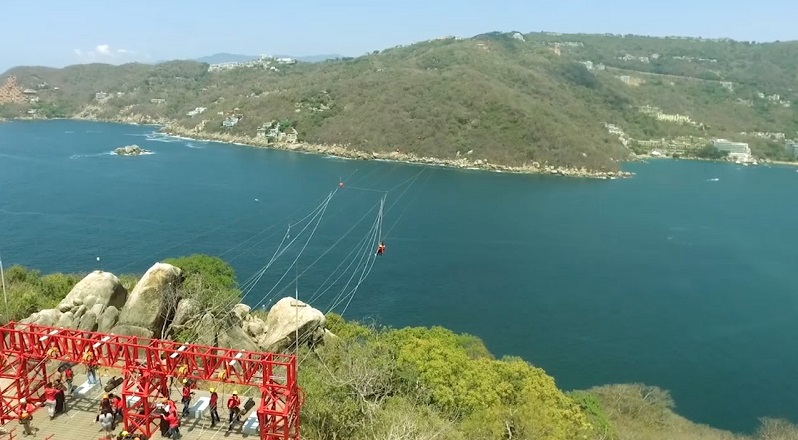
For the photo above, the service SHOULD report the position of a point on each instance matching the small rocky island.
(130, 150)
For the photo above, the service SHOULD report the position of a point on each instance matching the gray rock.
(90, 300)
(285, 318)
(79, 313)
(186, 310)
(88, 322)
(132, 330)
(30, 319)
(254, 326)
(148, 304)
(108, 319)
(235, 337)
(48, 317)
(241, 312)
(65, 321)
(207, 330)
(96, 288)
(97, 309)
(130, 150)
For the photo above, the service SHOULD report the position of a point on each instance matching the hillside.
(504, 98)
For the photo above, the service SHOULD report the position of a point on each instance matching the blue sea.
(682, 277)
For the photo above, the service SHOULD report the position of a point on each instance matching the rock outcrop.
(151, 301)
(85, 303)
(283, 321)
(96, 288)
(99, 302)
(130, 150)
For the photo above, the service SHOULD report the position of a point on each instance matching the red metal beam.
(146, 364)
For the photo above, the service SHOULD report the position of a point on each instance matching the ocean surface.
(683, 277)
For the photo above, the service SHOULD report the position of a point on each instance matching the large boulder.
(208, 328)
(233, 336)
(187, 310)
(88, 322)
(148, 305)
(95, 288)
(108, 319)
(47, 317)
(66, 321)
(285, 318)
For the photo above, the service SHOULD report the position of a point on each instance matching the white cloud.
(103, 53)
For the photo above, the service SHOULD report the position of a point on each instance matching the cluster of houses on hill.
(272, 131)
(276, 133)
(265, 62)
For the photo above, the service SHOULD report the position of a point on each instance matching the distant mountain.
(541, 99)
(226, 58)
(238, 58)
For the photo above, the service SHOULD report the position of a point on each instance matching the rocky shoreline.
(350, 153)
(170, 128)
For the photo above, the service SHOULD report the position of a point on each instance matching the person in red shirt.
(116, 405)
(24, 406)
(49, 398)
(169, 405)
(234, 406)
(69, 376)
(186, 397)
(214, 405)
(174, 426)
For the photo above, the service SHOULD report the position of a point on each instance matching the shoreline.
(344, 152)
(170, 128)
(760, 162)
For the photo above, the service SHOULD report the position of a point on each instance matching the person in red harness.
(234, 406)
(381, 248)
(214, 406)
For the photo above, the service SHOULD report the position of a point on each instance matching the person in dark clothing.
(60, 396)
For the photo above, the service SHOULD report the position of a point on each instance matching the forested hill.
(509, 98)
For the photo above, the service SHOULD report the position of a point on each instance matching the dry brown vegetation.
(640, 412)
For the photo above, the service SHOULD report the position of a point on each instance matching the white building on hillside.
(737, 150)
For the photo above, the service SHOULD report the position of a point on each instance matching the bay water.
(682, 277)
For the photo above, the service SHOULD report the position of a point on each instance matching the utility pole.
(3, 282)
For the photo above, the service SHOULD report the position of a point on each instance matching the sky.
(58, 33)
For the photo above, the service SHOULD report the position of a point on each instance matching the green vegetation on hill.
(426, 383)
(508, 98)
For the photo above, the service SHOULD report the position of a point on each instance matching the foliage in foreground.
(429, 383)
(371, 382)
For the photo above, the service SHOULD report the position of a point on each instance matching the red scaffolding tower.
(146, 365)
